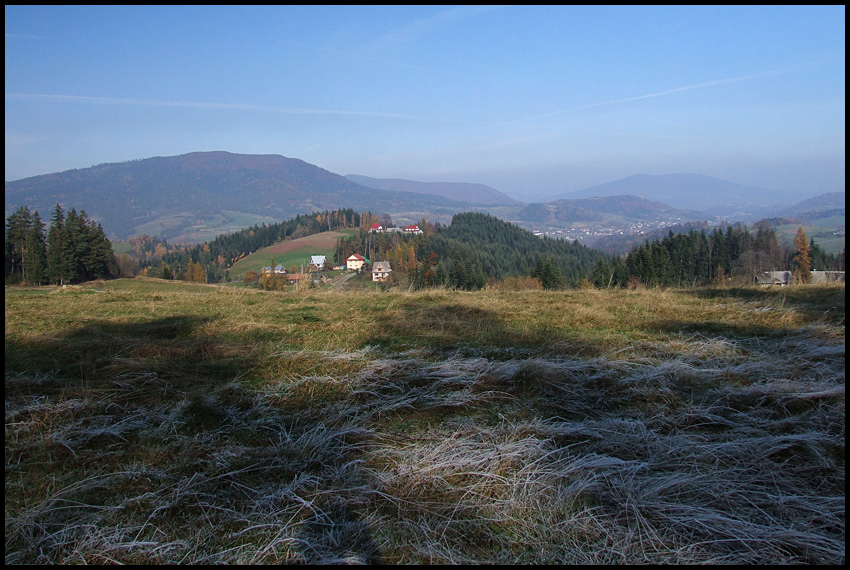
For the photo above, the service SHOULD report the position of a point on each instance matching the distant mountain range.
(196, 196)
(712, 196)
(477, 194)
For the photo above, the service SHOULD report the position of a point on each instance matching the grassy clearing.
(161, 422)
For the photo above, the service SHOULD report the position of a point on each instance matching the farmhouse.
(782, 278)
(294, 278)
(412, 229)
(318, 261)
(277, 269)
(376, 228)
(381, 270)
(355, 262)
(827, 276)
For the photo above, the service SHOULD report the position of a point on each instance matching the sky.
(531, 100)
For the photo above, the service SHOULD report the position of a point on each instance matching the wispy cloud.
(341, 53)
(199, 105)
(23, 37)
(664, 93)
(413, 31)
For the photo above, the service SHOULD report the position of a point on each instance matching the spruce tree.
(35, 256)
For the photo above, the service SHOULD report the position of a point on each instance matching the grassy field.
(163, 422)
(291, 253)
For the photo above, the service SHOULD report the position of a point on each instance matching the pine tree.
(18, 227)
(35, 256)
(57, 267)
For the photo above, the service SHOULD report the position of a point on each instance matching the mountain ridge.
(463, 191)
(174, 192)
(194, 196)
(689, 191)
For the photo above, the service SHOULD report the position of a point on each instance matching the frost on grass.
(701, 450)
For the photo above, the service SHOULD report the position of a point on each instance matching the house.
(376, 228)
(294, 278)
(318, 261)
(381, 270)
(277, 269)
(355, 262)
(827, 276)
(781, 278)
(412, 229)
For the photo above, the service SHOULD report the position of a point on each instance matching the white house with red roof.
(378, 228)
(412, 229)
(355, 262)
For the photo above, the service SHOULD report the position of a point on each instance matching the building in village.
(381, 270)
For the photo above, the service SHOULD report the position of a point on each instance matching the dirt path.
(341, 281)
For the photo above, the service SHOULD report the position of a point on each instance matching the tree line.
(698, 258)
(74, 248)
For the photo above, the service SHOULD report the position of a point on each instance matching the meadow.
(166, 422)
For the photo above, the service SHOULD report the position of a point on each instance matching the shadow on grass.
(815, 301)
(97, 354)
(154, 414)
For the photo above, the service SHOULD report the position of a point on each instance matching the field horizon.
(150, 421)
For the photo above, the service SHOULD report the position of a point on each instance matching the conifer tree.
(35, 255)
(58, 268)
(18, 227)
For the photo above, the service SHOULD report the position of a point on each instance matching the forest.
(698, 258)
(73, 249)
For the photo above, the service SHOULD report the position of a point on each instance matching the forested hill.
(504, 249)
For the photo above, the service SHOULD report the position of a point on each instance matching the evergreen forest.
(73, 249)
(698, 258)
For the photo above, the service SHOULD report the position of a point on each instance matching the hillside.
(169, 195)
(475, 194)
(597, 209)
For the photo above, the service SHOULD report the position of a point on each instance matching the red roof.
(376, 226)
(357, 257)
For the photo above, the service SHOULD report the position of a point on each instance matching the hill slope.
(172, 194)
(459, 191)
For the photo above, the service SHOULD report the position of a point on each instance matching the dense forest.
(73, 249)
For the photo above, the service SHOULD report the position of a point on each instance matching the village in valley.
(354, 263)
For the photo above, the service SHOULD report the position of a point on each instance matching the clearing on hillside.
(322, 241)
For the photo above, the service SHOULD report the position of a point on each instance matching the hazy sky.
(533, 101)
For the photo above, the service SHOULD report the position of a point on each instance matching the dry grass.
(150, 422)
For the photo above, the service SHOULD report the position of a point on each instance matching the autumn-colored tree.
(803, 258)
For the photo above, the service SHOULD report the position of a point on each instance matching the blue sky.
(533, 101)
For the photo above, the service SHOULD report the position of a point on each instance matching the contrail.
(200, 105)
(658, 94)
